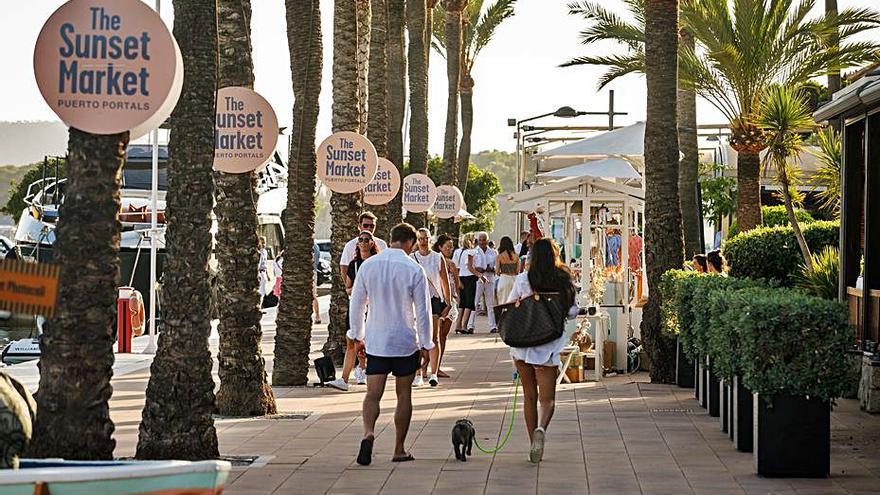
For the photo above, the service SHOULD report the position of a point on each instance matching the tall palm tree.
(177, 421)
(453, 43)
(664, 243)
(833, 72)
(345, 207)
(416, 22)
(76, 362)
(748, 45)
(294, 323)
(782, 116)
(244, 387)
(477, 31)
(397, 68)
(363, 61)
(377, 128)
(605, 24)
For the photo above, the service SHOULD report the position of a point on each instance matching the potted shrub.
(793, 357)
(684, 316)
(684, 363)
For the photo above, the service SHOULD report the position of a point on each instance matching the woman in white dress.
(537, 366)
(506, 268)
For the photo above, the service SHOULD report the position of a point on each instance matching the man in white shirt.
(523, 241)
(366, 222)
(484, 263)
(399, 336)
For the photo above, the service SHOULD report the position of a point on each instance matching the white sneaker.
(360, 375)
(536, 452)
(418, 382)
(338, 383)
(433, 380)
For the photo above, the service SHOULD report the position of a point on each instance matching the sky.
(517, 75)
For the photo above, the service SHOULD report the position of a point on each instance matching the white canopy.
(612, 167)
(626, 141)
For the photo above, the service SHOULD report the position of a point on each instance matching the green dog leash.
(500, 446)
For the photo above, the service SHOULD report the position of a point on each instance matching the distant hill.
(22, 143)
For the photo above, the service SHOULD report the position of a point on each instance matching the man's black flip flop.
(365, 455)
(404, 458)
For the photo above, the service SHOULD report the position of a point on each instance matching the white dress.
(539, 355)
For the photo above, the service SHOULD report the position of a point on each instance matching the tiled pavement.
(623, 436)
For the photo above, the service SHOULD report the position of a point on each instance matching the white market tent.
(611, 167)
(625, 141)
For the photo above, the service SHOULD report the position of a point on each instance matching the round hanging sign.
(347, 162)
(385, 184)
(449, 202)
(108, 66)
(245, 131)
(419, 193)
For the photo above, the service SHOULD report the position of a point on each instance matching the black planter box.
(792, 437)
(713, 386)
(696, 364)
(684, 368)
(724, 419)
(730, 409)
(703, 383)
(743, 416)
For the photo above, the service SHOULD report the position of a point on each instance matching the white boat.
(59, 477)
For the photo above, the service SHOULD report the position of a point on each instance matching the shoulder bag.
(531, 321)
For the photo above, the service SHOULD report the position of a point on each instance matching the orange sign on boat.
(28, 288)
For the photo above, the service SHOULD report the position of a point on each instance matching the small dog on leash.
(463, 438)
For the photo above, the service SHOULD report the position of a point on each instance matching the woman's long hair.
(546, 273)
(506, 246)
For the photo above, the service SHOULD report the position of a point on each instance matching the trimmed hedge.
(772, 216)
(773, 253)
(791, 343)
(668, 287)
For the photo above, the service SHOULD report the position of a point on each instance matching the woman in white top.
(468, 277)
(444, 246)
(438, 285)
(537, 366)
(506, 268)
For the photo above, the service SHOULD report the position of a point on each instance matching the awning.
(626, 141)
(612, 167)
(863, 92)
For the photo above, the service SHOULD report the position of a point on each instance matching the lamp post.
(154, 217)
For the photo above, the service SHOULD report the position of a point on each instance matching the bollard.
(123, 320)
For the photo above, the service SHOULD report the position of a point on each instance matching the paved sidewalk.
(622, 436)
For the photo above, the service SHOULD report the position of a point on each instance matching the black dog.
(463, 438)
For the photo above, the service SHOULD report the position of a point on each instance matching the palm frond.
(607, 25)
(485, 28)
(618, 65)
(828, 175)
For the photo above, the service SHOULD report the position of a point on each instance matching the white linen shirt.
(350, 249)
(399, 321)
(485, 259)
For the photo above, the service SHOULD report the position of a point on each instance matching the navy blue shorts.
(397, 366)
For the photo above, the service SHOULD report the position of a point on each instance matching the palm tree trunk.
(664, 242)
(76, 361)
(294, 323)
(363, 62)
(834, 75)
(345, 207)
(688, 173)
(792, 218)
(453, 75)
(748, 194)
(416, 19)
(244, 387)
(466, 94)
(377, 127)
(396, 105)
(177, 421)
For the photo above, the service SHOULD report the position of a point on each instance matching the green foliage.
(828, 175)
(790, 342)
(478, 29)
(718, 193)
(18, 188)
(669, 283)
(704, 314)
(774, 216)
(500, 163)
(482, 187)
(773, 253)
(822, 280)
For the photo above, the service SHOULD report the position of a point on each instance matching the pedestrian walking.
(397, 335)
(366, 222)
(537, 366)
(316, 265)
(467, 276)
(507, 267)
(262, 267)
(444, 246)
(484, 261)
(434, 265)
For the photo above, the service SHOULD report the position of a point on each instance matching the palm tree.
(664, 243)
(363, 61)
(828, 175)
(416, 21)
(607, 25)
(396, 104)
(345, 207)
(783, 116)
(377, 126)
(747, 46)
(476, 32)
(294, 323)
(76, 361)
(244, 387)
(833, 73)
(177, 421)
(453, 44)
